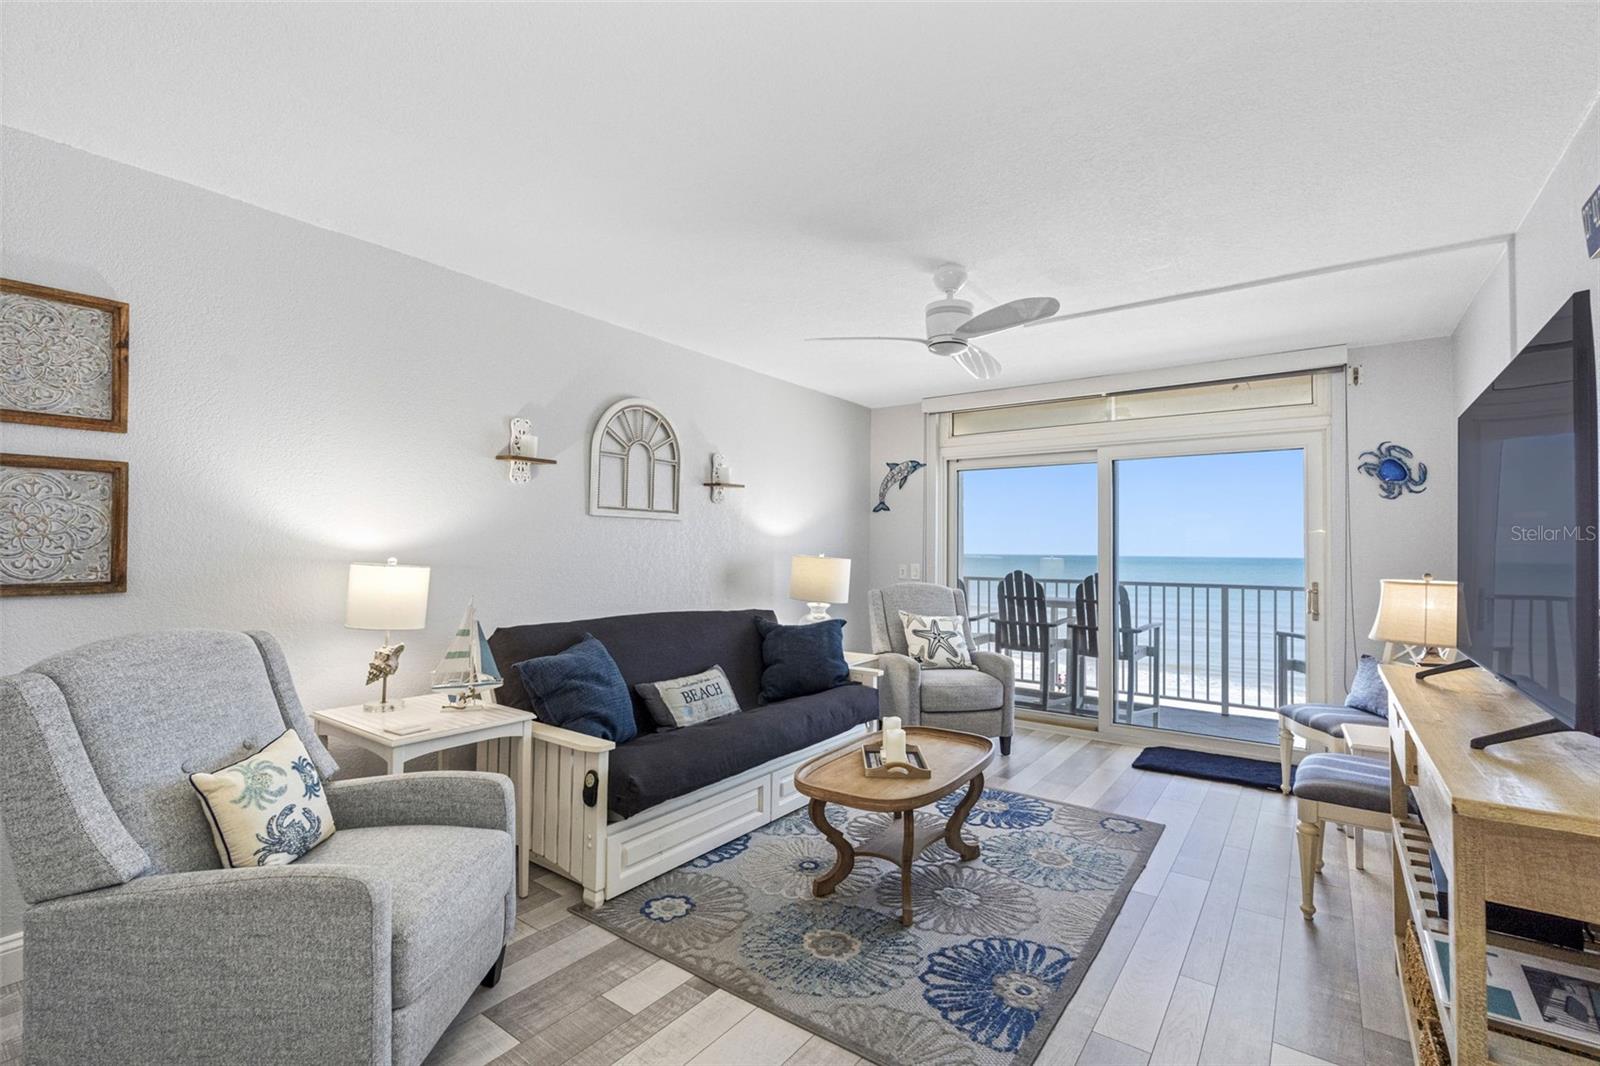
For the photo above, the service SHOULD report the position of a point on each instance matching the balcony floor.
(1256, 726)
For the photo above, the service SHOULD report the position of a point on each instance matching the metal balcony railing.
(1225, 646)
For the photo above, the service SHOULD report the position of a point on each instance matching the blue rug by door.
(1252, 773)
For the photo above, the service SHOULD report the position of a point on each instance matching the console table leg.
(952, 829)
(824, 885)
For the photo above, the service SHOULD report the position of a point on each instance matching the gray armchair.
(139, 948)
(975, 701)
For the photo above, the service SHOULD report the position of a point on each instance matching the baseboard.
(10, 958)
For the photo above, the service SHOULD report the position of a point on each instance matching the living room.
(484, 578)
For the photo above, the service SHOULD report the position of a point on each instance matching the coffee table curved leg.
(824, 885)
(952, 828)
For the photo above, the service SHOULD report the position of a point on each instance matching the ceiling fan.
(952, 326)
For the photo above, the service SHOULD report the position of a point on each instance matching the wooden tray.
(872, 763)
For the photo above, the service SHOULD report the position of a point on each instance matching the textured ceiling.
(735, 178)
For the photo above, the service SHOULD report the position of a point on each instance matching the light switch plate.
(902, 573)
(916, 571)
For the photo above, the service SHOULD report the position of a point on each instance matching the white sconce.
(522, 453)
(720, 477)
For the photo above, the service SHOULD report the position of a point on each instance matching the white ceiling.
(733, 178)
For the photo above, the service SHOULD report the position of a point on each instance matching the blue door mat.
(1252, 773)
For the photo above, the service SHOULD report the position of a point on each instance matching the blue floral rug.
(998, 948)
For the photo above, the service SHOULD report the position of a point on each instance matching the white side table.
(423, 726)
(863, 667)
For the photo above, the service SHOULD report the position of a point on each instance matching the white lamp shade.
(819, 579)
(386, 596)
(1420, 613)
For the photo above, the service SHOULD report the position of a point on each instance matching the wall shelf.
(525, 459)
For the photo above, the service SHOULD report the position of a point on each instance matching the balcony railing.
(1223, 645)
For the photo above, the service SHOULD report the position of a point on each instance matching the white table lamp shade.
(387, 596)
(1420, 613)
(819, 579)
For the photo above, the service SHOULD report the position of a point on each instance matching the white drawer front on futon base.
(638, 856)
(786, 797)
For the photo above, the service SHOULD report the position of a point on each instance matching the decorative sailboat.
(468, 664)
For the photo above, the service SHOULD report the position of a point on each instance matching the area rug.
(1252, 773)
(998, 948)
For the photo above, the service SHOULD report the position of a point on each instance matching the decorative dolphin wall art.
(897, 476)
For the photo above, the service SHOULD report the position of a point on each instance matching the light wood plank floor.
(1209, 960)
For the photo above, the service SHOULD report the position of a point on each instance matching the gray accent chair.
(139, 948)
(974, 701)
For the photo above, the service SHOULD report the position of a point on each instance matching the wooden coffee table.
(836, 777)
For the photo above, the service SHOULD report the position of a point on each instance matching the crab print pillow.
(936, 642)
(267, 809)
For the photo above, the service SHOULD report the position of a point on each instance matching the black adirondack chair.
(1134, 644)
(1022, 624)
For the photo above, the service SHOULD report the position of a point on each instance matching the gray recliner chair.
(974, 701)
(140, 948)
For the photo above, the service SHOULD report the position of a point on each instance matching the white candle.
(894, 745)
(891, 723)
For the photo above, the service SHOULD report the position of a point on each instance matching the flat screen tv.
(1527, 555)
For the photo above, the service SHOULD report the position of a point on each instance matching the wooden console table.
(1518, 823)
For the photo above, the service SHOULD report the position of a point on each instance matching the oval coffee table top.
(955, 758)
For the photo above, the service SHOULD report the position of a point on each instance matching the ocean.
(1213, 571)
(1197, 645)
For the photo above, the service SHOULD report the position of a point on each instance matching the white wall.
(301, 399)
(1546, 263)
(1405, 396)
(896, 534)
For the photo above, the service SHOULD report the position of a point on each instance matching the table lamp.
(820, 581)
(386, 596)
(1418, 615)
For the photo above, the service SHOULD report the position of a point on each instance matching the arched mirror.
(634, 463)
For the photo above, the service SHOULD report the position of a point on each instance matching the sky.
(1247, 504)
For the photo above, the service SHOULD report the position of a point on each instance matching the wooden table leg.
(952, 828)
(908, 856)
(824, 885)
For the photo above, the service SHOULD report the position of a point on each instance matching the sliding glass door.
(1208, 622)
(1028, 537)
(1144, 587)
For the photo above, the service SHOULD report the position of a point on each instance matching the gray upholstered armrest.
(446, 797)
(900, 688)
(1002, 668)
(214, 966)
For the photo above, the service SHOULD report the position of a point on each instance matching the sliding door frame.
(1310, 427)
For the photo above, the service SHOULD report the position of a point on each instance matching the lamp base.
(381, 706)
(819, 613)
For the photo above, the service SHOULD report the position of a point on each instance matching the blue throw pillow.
(800, 660)
(1366, 689)
(581, 689)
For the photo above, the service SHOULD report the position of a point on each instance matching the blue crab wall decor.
(1391, 465)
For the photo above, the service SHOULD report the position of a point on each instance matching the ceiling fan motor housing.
(944, 318)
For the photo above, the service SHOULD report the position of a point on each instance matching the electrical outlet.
(916, 571)
(902, 573)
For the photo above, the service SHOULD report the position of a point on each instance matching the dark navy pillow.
(1366, 689)
(581, 689)
(800, 660)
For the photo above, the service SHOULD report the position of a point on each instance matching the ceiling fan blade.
(979, 363)
(1015, 313)
(913, 340)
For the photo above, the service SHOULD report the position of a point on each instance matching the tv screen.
(1527, 551)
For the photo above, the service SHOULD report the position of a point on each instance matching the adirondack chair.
(1134, 644)
(1022, 624)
